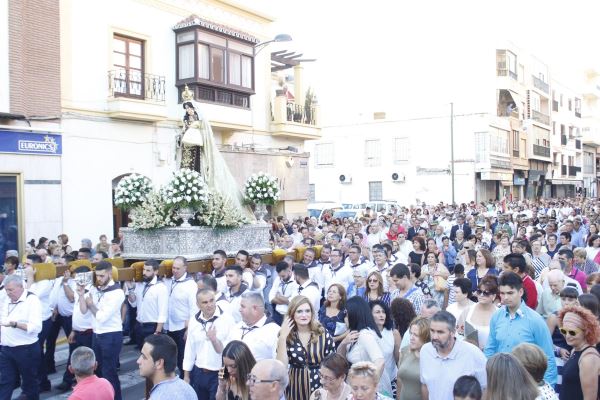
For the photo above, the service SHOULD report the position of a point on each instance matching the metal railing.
(540, 117)
(578, 114)
(540, 84)
(301, 114)
(541, 151)
(134, 84)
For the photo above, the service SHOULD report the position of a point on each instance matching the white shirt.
(405, 248)
(81, 322)
(234, 300)
(59, 299)
(312, 292)
(261, 338)
(182, 302)
(108, 302)
(361, 261)
(27, 309)
(151, 301)
(287, 289)
(42, 290)
(221, 282)
(199, 350)
(315, 272)
(342, 275)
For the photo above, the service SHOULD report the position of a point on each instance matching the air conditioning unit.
(344, 178)
(398, 177)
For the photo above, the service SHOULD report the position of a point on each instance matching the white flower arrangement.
(186, 189)
(132, 191)
(220, 211)
(152, 214)
(261, 188)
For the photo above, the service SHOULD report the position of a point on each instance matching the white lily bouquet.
(186, 189)
(261, 188)
(132, 191)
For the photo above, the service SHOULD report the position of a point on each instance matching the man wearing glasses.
(268, 380)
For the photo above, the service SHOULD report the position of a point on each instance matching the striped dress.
(304, 365)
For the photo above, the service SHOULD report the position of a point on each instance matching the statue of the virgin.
(197, 150)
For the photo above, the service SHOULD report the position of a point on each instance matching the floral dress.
(304, 364)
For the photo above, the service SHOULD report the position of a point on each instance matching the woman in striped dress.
(303, 343)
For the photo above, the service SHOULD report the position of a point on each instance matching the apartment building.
(591, 132)
(567, 151)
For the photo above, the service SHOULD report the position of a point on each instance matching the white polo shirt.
(199, 350)
(310, 290)
(81, 322)
(287, 289)
(261, 337)
(151, 301)
(108, 301)
(59, 299)
(27, 309)
(182, 301)
(234, 300)
(42, 290)
(342, 275)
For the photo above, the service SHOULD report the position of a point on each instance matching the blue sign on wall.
(30, 143)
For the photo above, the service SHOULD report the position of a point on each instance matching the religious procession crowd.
(498, 300)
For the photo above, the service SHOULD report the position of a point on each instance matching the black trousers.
(59, 323)
(20, 362)
(177, 336)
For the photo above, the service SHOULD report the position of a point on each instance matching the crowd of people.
(498, 300)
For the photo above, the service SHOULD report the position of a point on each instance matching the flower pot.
(185, 213)
(260, 210)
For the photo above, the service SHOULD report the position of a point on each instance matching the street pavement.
(132, 385)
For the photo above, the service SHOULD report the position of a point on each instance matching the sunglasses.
(373, 280)
(484, 293)
(570, 332)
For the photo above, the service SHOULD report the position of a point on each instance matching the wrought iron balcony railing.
(134, 84)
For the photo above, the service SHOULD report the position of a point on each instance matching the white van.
(317, 210)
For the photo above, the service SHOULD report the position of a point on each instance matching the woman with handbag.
(435, 275)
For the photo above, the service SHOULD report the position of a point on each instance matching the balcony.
(578, 144)
(540, 117)
(578, 113)
(295, 120)
(563, 140)
(541, 151)
(540, 84)
(563, 170)
(515, 153)
(554, 105)
(136, 96)
(574, 170)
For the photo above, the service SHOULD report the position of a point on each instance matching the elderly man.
(550, 301)
(268, 380)
(20, 354)
(89, 386)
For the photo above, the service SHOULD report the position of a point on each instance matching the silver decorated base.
(194, 243)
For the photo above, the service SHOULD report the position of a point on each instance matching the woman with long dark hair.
(389, 344)
(238, 361)
(361, 344)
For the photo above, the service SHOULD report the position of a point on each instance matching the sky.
(401, 56)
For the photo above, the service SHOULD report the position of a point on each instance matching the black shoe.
(64, 387)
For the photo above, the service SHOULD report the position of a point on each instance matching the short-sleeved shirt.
(93, 388)
(440, 373)
(173, 389)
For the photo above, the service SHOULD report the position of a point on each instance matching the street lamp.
(282, 37)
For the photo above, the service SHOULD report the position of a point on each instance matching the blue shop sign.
(30, 143)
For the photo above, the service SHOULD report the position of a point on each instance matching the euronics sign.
(30, 143)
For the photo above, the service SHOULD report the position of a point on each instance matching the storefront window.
(9, 215)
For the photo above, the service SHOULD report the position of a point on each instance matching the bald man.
(268, 380)
(550, 301)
